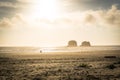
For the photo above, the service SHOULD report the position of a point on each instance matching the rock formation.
(72, 43)
(85, 43)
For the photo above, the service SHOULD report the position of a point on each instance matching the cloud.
(5, 23)
(15, 22)
(112, 17)
(103, 18)
(8, 4)
(13, 1)
(106, 18)
(89, 18)
(92, 4)
(9, 8)
(109, 17)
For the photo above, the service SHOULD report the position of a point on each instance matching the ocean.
(57, 49)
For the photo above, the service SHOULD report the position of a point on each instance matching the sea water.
(56, 49)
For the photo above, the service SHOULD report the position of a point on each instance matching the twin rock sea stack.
(73, 43)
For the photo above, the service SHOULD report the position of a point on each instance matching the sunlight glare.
(46, 9)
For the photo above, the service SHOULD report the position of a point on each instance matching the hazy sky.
(55, 22)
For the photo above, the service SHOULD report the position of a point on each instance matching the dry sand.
(60, 66)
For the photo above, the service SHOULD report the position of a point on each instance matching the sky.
(48, 23)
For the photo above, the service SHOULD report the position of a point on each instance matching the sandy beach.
(61, 66)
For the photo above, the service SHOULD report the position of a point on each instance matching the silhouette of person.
(40, 51)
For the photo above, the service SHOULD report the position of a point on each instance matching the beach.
(61, 66)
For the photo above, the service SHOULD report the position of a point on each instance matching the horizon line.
(61, 46)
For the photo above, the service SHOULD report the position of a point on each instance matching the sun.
(46, 9)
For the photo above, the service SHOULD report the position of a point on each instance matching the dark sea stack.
(86, 43)
(72, 43)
